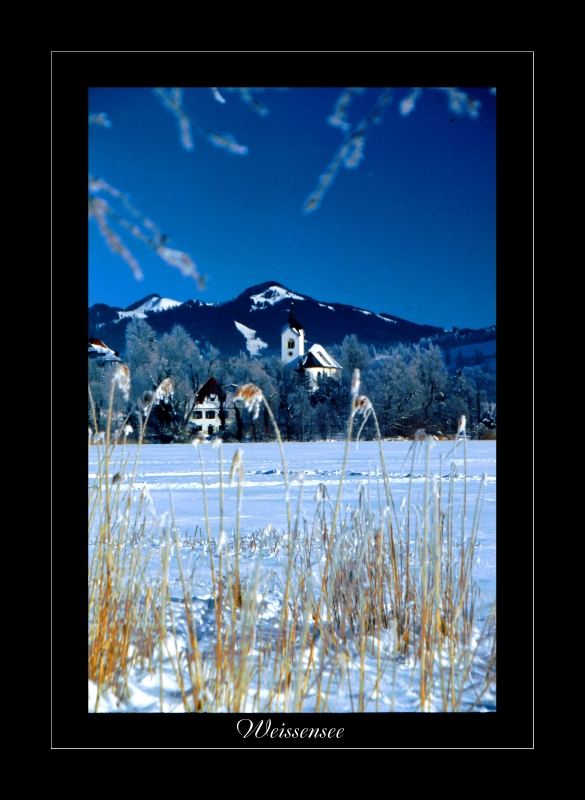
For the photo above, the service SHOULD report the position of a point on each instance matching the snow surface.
(324, 305)
(271, 296)
(155, 304)
(369, 314)
(253, 342)
(169, 483)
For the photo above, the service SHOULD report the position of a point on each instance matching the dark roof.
(312, 361)
(97, 344)
(211, 386)
(293, 321)
(98, 350)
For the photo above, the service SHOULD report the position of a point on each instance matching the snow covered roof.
(319, 357)
(96, 349)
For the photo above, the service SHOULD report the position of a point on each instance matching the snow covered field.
(165, 486)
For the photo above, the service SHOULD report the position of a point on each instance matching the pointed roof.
(96, 349)
(293, 322)
(319, 357)
(211, 387)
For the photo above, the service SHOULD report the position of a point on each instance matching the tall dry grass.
(367, 587)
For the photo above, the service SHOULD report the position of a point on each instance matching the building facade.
(210, 413)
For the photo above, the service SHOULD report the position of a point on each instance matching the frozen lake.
(172, 475)
(170, 481)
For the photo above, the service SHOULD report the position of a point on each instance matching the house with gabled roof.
(210, 410)
(100, 352)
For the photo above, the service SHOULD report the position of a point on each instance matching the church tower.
(292, 339)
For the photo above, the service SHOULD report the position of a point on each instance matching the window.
(198, 414)
(291, 345)
(198, 428)
(210, 430)
(210, 415)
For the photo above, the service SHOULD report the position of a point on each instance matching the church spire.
(292, 339)
(292, 321)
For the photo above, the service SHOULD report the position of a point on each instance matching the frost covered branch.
(338, 118)
(407, 105)
(217, 95)
(172, 100)
(246, 95)
(351, 152)
(461, 103)
(138, 225)
(101, 120)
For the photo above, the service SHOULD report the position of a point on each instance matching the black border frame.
(511, 725)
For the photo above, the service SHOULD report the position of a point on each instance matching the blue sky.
(409, 232)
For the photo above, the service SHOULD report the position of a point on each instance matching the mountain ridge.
(252, 321)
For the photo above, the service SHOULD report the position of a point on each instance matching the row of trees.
(408, 385)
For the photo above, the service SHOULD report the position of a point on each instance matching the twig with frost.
(172, 100)
(408, 104)
(252, 398)
(350, 154)
(100, 119)
(99, 209)
(338, 117)
(246, 95)
(252, 102)
(362, 406)
(121, 380)
(217, 95)
(138, 225)
(162, 394)
(460, 102)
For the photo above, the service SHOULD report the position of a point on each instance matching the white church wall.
(297, 338)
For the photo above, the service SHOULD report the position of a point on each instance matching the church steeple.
(316, 363)
(292, 339)
(292, 321)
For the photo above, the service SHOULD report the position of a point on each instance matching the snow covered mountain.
(153, 304)
(252, 321)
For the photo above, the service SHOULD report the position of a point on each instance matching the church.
(317, 361)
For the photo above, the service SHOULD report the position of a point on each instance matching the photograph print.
(292, 400)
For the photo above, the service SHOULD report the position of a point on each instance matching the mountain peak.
(253, 320)
(142, 302)
(261, 287)
(269, 294)
(152, 303)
